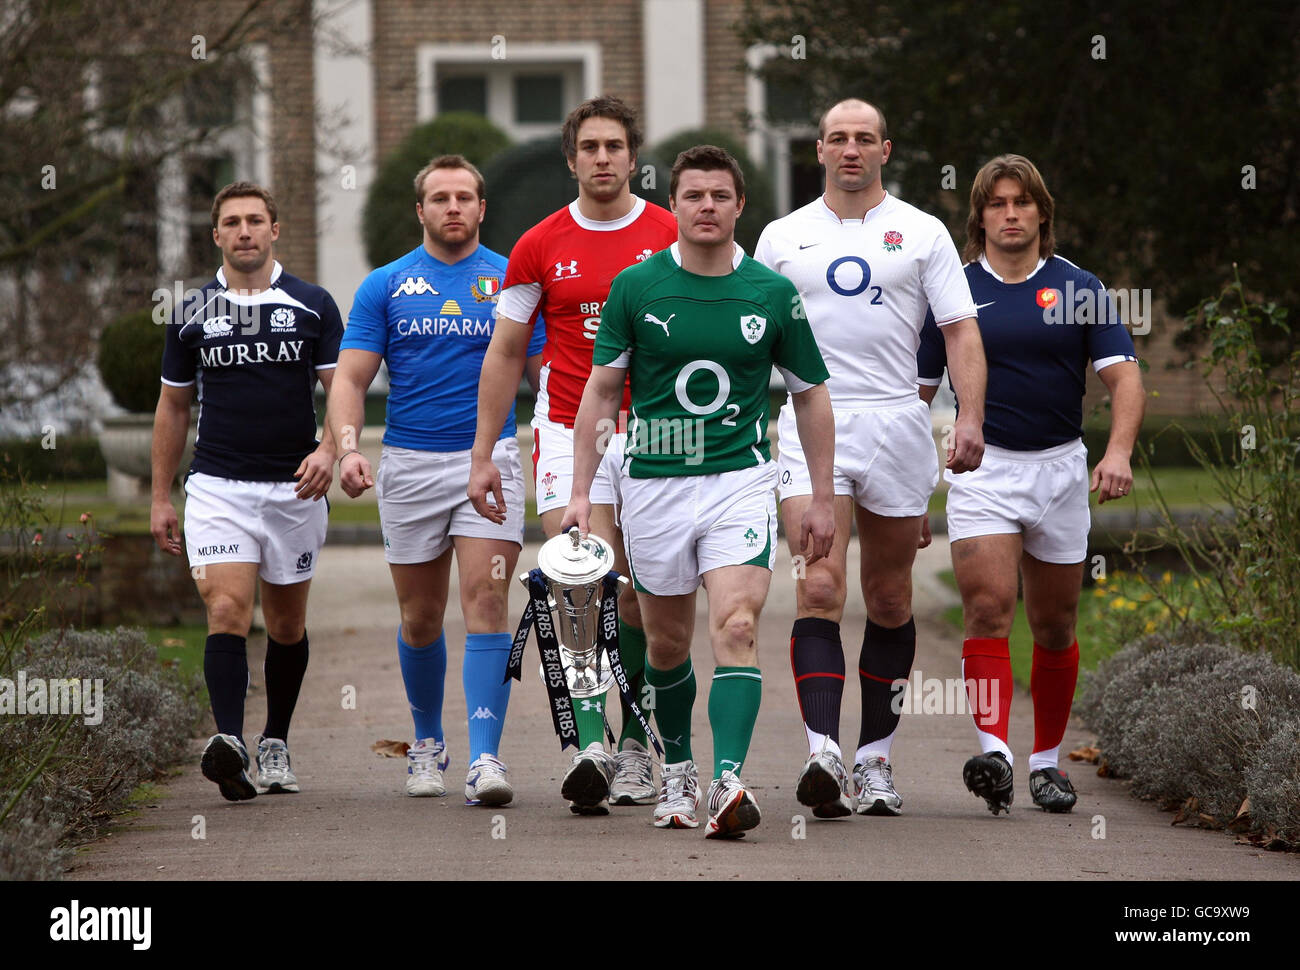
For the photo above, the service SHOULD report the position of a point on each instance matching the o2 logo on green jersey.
(724, 390)
(862, 285)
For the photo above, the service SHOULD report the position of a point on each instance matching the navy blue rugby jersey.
(1039, 336)
(255, 360)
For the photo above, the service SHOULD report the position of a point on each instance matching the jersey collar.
(736, 256)
(276, 270)
(989, 269)
(879, 207)
(638, 207)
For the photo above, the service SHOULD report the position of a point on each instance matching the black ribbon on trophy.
(609, 642)
(538, 614)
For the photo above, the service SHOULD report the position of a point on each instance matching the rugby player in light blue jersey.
(429, 315)
(1024, 512)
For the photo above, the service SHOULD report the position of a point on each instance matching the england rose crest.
(893, 241)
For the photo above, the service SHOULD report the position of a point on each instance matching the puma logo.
(651, 318)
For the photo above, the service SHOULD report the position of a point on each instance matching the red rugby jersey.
(562, 268)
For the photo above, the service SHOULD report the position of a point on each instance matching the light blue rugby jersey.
(432, 322)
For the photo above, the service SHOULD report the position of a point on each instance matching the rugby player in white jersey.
(253, 343)
(867, 265)
(1024, 513)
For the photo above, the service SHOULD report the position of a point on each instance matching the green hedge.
(73, 457)
(130, 360)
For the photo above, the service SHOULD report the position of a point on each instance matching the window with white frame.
(784, 133)
(526, 92)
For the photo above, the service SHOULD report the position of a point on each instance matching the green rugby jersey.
(700, 350)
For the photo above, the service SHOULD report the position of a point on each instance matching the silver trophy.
(574, 568)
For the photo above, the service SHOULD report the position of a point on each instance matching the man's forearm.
(1127, 406)
(816, 425)
(498, 381)
(968, 367)
(170, 426)
(598, 410)
(345, 414)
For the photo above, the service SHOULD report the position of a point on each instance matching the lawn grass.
(1182, 488)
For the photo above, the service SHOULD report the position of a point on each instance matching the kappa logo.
(752, 328)
(304, 562)
(217, 327)
(651, 318)
(413, 286)
(567, 271)
(483, 714)
(282, 319)
(751, 538)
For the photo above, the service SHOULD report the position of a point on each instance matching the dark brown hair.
(709, 158)
(605, 106)
(243, 190)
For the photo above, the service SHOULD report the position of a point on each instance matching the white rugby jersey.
(866, 285)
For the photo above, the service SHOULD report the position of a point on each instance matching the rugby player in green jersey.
(700, 326)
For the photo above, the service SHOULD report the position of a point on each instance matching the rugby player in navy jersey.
(430, 316)
(1024, 512)
(253, 343)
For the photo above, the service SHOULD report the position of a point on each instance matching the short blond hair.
(448, 161)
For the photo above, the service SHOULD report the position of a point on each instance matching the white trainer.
(732, 809)
(634, 776)
(426, 760)
(273, 772)
(824, 784)
(874, 784)
(486, 782)
(679, 796)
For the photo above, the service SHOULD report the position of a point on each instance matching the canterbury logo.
(651, 318)
(413, 287)
(483, 714)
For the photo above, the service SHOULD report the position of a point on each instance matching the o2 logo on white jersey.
(282, 319)
(567, 271)
(832, 280)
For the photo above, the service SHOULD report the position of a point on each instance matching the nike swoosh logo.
(981, 306)
(808, 246)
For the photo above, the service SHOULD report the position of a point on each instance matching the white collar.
(276, 270)
(736, 256)
(622, 222)
(989, 269)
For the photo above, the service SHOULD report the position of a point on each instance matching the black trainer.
(989, 776)
(225, 761)
(1051, 790)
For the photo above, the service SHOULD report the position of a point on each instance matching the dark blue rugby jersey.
(1039, 336)
(254, 358)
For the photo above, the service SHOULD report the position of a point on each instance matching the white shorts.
(263, 522)
(553, 467)
(884, 457)
(1040, 494)
(423, 502)
(677, 529)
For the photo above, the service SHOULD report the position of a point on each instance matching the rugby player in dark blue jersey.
(252, 343)
(1024, 511)
(430, 316)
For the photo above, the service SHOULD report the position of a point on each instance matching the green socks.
(591, 725)
(733, 709)
(672, 696)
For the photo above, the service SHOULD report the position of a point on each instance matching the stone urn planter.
(126, 442)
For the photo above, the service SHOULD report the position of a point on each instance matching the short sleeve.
(763, 250)
(1109, 341)
(368, 321)
(615, 335)
(932, 354)
(795, 350)
(946, 288)
(178, 363)
(331, 334)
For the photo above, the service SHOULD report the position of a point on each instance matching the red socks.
(986, 668)
(1051, 684)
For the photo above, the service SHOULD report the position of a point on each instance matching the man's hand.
(355, 476)
(817, 531)
(965, 447)
(315, 474)
(577, 512)
(926, 538)
(1112, 478)
(484, 478)
(165, 527)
